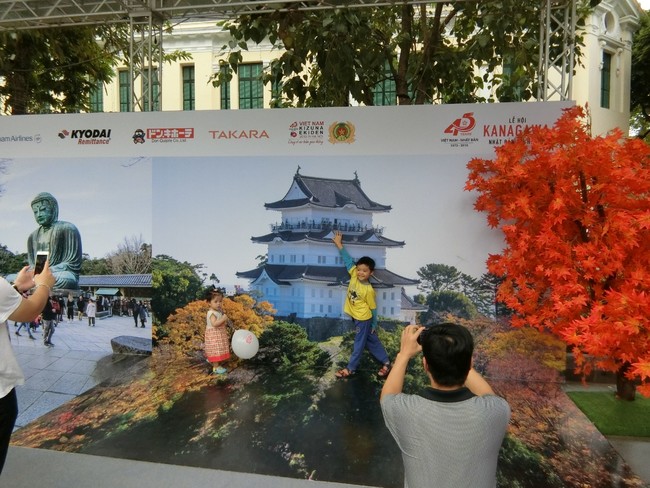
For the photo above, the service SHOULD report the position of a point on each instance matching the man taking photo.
(450, 434)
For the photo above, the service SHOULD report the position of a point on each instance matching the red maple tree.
(575, 213)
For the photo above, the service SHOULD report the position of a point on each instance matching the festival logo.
(138, 136)
(87, 136)
(307, 132)
(341, 132)
(460, 131)
(168, 134)
(463, 125)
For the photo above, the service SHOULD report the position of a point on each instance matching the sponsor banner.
(471, 129)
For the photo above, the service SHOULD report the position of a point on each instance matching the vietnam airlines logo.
(463, 125)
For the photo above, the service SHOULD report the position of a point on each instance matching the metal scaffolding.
(147, 17)
(556, 49)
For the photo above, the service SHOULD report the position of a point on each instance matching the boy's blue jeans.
(366, 338)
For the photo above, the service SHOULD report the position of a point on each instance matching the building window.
(125, 91)
(322, 259)
(189, 96)
(276, 94)
(512, 81)
(292, 258)
(97, 97)
(251, 89)
(281, 257)
(605, 80)
(385, 92)
(147, 104)
(224, 88)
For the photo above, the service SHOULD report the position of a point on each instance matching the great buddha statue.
(61, 239)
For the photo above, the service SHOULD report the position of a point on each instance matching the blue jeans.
(366, 338)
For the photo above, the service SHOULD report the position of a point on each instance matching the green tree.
(431, 52)
(175, 284)
(56, 69)
(52, 70)
(94, 266)
(439, 277)
(640, 85)
(10, 262)
(446, 302)
(287, 354)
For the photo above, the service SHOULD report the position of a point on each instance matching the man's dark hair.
(448, 349)
(368, 261)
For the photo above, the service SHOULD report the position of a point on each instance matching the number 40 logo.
(464, 124)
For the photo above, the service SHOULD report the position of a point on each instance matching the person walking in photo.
(136, 312)
(14, 306)
(142, 312)
(70, 308)
(451, 433)
(48, 319)
(361, 306)
(81, 305)
(91, 311)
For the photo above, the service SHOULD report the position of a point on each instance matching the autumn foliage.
(185, 328)
(575, 213)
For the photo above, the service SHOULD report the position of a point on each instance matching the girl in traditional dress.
(217, 344)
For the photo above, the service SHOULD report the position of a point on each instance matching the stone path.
(81, 358)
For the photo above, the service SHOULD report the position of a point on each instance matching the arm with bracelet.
(41, 283)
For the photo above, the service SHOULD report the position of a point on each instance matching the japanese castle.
(304, 276)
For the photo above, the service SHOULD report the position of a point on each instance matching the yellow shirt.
(360, 300)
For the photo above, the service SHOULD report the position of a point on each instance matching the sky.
(108, 199)
(207, 209)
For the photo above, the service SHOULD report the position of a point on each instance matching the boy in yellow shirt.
(360, 305)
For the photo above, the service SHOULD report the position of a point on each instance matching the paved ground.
(81, 358)
(635, 451)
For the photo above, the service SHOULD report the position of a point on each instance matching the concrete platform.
(28, 468)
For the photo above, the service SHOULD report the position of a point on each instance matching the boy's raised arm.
(338, 242)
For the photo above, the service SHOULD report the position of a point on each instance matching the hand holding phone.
(41, 257)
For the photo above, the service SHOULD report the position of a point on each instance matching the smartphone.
(41, 257)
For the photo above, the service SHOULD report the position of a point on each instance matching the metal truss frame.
(147, 17)
(558, 20)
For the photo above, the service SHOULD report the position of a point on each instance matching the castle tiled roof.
(327, 192)
(409, 304)
(333, 275)
(368, 238)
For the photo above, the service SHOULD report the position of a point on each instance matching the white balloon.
(244, 344)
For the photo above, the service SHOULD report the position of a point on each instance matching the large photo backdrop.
(216, 194)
